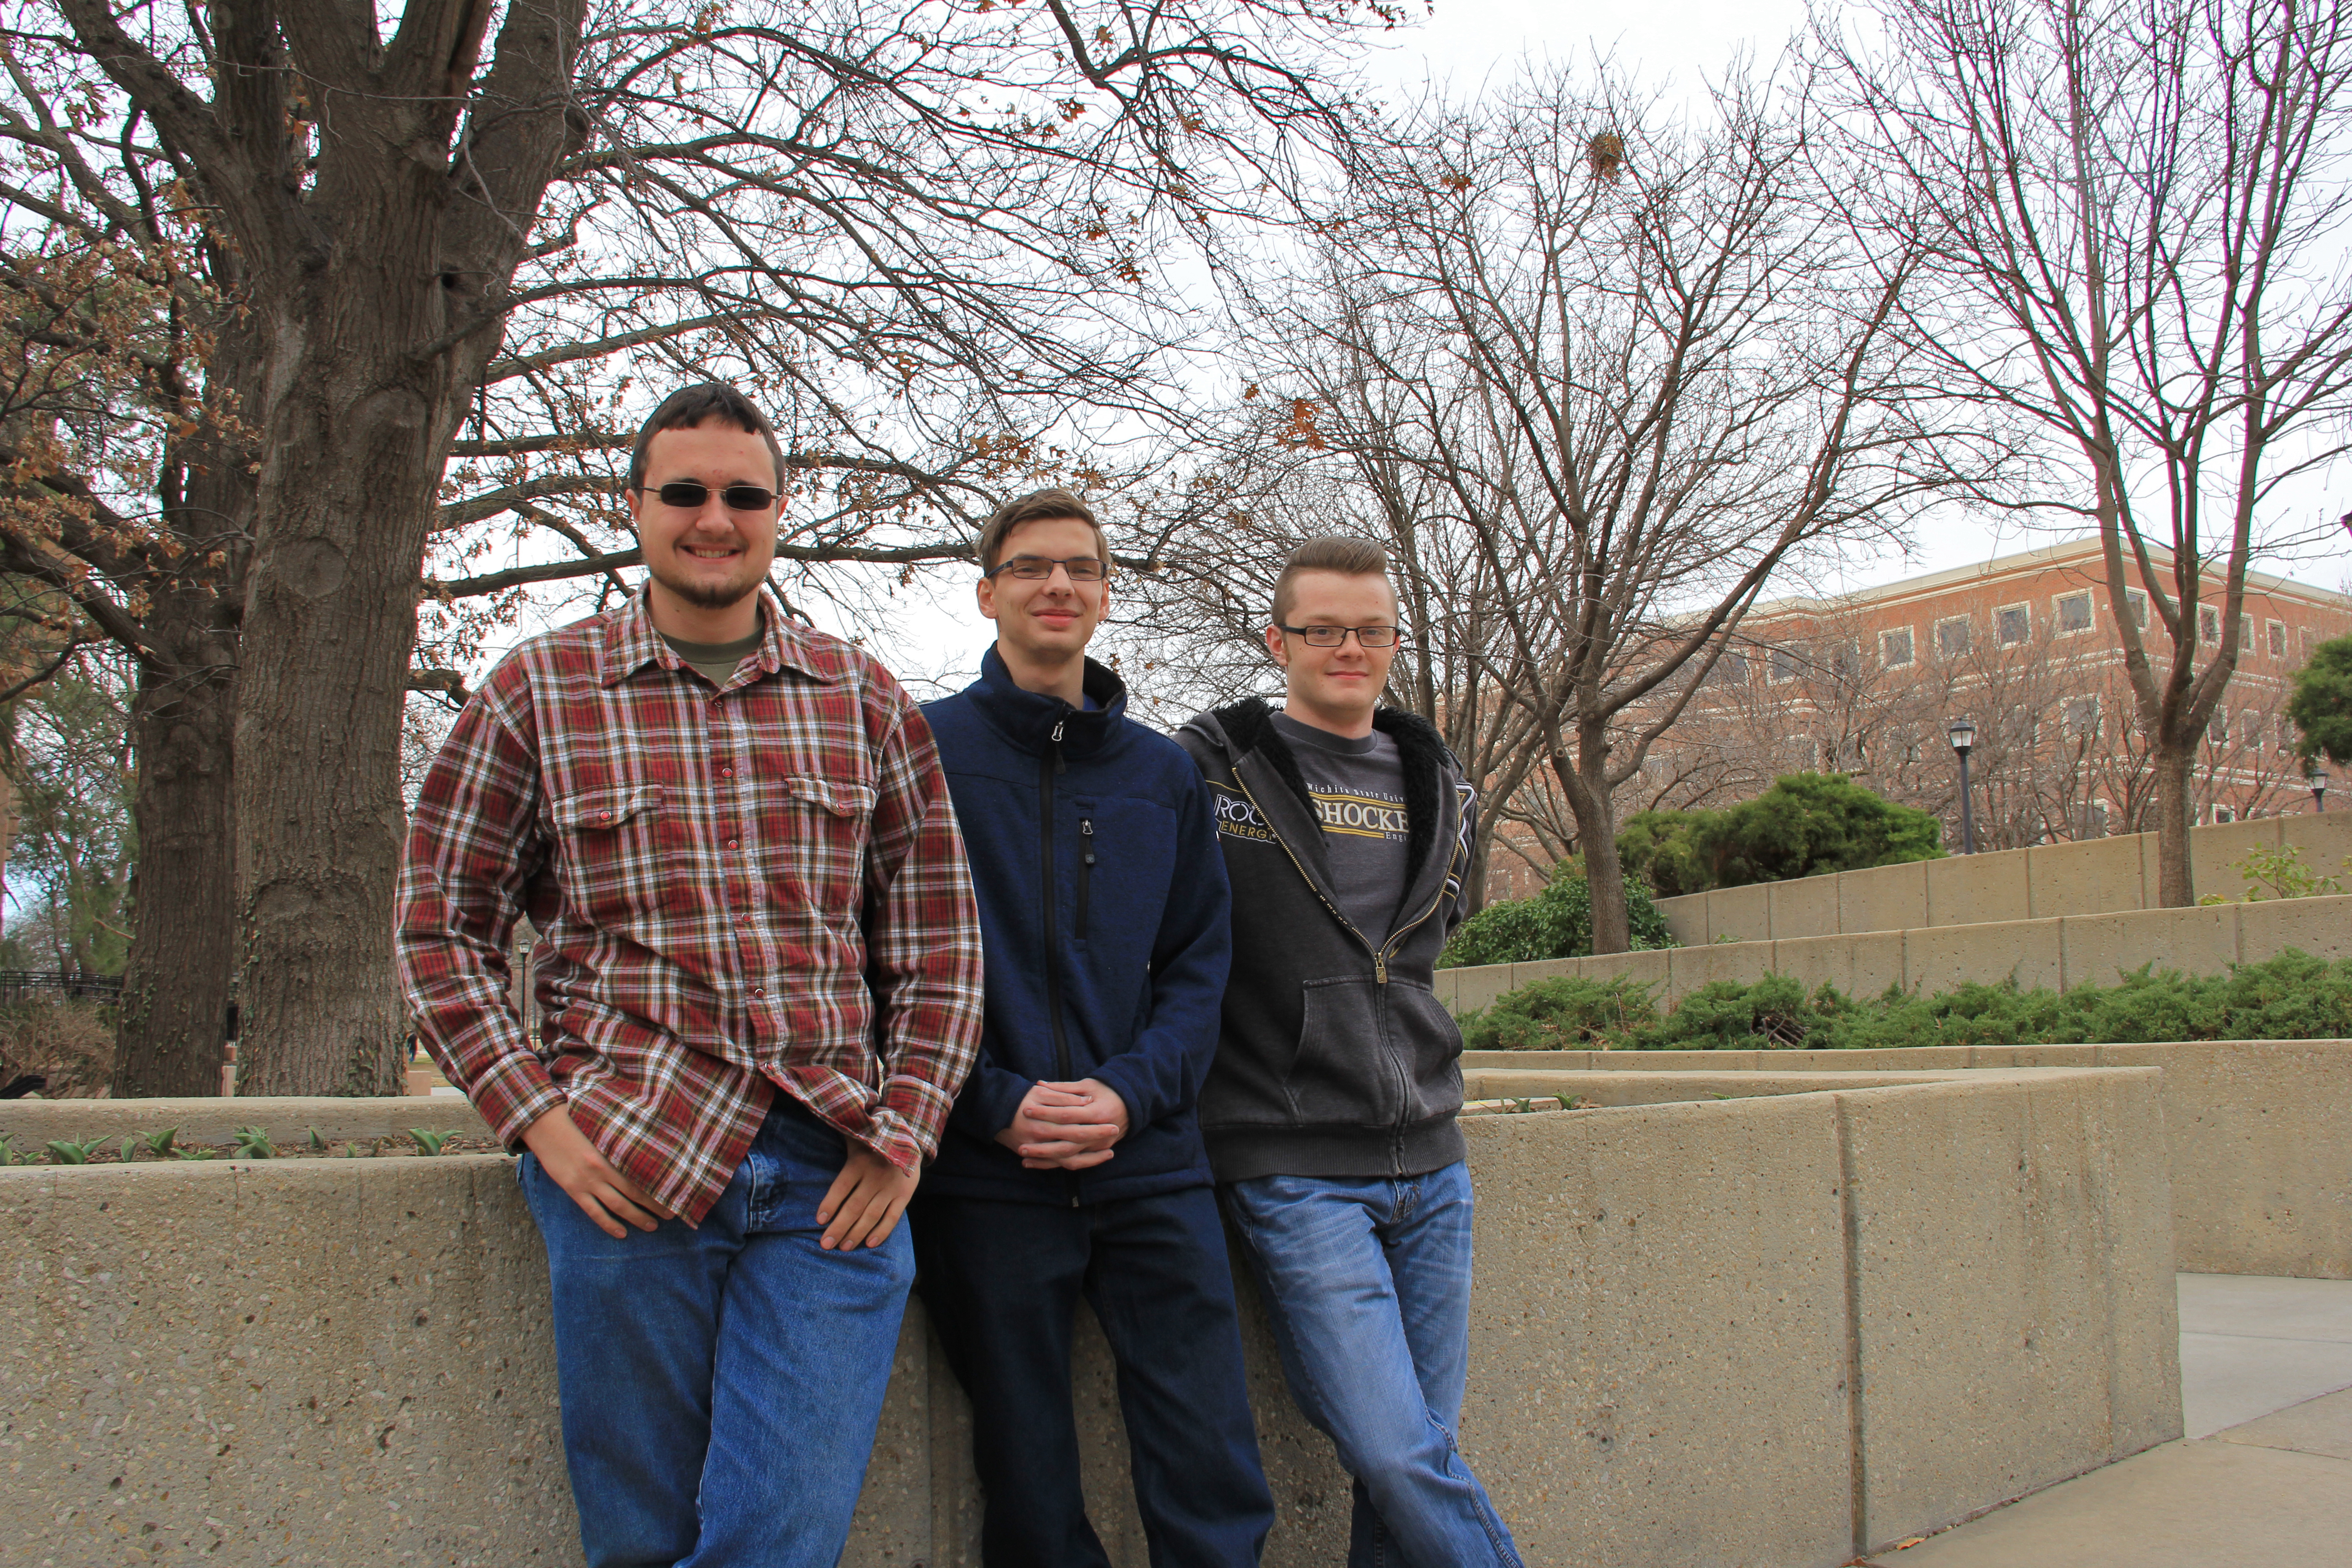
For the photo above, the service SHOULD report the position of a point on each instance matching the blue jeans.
(1001, 1281)
(1368, 1282)
(722, 1386)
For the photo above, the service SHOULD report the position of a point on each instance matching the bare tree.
(1647, 366)
(368, 251)
(2134, 214)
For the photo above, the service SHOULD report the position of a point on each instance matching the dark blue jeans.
(1001, 1283)
(720, 1386)
(1368, 1282)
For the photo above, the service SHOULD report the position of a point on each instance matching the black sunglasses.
(693, 495)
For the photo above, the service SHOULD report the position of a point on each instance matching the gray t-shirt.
(717, 660)
(1358, 787)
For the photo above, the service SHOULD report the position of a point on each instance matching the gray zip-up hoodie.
(1334, 1057)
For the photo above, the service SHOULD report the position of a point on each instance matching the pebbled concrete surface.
(2270, 1490)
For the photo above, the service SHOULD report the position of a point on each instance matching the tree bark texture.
(1593, 800)
(177, 980)
(377, 273)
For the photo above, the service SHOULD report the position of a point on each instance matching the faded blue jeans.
(720, 1386)
(1368, 1282)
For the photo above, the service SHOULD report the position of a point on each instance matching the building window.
(1785, 666)
(2223, 814)
(2073, 612)
(2218, 729)
(2249, 728)
(2246, 634)
(1895, 648)
(2209, 625)
(2014, 624)
(1807, 752)
(1952, 637)
(2091, 820)
(1845, 660)
(2138, 603)
(2278, 640)
(1731, 669)
(2019, 729)
(2080, 717)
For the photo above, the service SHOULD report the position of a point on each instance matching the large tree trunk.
(181, 971)
(176, 982)
(357, 441)
(2176, 884)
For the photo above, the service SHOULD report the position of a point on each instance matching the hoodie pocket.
(1344, 1072)
(1428, 1044)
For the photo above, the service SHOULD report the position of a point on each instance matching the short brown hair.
(1339, 553)
(1036, 507)
(690, 406)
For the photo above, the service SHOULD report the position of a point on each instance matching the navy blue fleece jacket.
(1104, 927)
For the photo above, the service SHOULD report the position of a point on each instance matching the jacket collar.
(1027, 717)
(631, 643)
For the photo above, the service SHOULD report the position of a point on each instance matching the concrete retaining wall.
(2091, 877)
(2060, 953)
(1773, 1329)
(2261, 1165)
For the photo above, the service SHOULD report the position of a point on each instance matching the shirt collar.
(631, 643)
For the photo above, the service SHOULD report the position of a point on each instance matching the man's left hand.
(865, 1200)
(1101, 1112)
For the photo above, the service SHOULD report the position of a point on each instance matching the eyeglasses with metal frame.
(1332, 637)
(693, 495)
(1038, 568)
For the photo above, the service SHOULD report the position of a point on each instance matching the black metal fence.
(18, 984)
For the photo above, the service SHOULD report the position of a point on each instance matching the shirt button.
(603, 816)
(726, 772)
(759, 991)
(731, 844)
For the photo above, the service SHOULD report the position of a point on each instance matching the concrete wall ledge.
(2086, 877)
(1784, 1326)
(2254, 1129)
(2060, 953)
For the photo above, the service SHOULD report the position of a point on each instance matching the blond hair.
(1349, 556)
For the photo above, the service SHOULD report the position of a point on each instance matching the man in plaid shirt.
(759, 973)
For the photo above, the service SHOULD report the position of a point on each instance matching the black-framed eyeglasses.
(1332, 637)
(1038, 568)
(693, 495)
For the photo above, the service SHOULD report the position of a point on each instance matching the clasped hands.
(1067, 1126)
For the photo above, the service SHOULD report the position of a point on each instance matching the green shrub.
(2294, 996)
(2321, 705)
(1806, 825)
(1555, 923)
(1567, 1013)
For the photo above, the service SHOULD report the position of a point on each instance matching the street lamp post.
(1963, 736)
(2317, 777)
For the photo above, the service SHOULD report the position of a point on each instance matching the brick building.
(2023, 646)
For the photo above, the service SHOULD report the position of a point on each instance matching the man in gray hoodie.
(1330, 1112)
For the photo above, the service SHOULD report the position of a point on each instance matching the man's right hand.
(609, 1198)
(1054, 1145)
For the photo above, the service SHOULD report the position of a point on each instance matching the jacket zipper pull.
(1086, 871)
(1060, 766)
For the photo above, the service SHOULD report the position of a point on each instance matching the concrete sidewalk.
(2262, 1480)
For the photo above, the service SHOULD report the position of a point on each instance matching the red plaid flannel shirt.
(735, 889)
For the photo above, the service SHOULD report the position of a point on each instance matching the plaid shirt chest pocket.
(818, 827)
(615, 852)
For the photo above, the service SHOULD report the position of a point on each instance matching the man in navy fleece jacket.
(1073, 1163)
